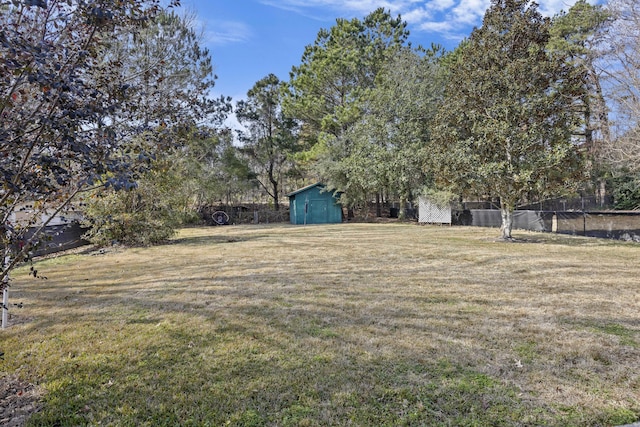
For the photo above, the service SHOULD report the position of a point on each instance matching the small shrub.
(626, 194)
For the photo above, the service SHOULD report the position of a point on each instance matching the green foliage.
(145, 215)
(206, 171)
(338, 69)
(440, 197)
(269, 140)
(506, 127)
(390, 140)
(212, 169)
(617, 416)
(574, 31)
(626, 192)
(328, 93)
(576, 34)
(170, 77)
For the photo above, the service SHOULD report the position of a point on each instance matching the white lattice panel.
(432, 213)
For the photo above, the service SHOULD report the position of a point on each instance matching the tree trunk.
(507, 221)
(403, 207)
(274, 187)
(276, 201)
(600, 111)
(601, 193)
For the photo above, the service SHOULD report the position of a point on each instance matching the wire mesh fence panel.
(610, 224)
(433, 213)
(586, 203)
(245, 214)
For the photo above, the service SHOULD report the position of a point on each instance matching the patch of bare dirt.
(18, 401)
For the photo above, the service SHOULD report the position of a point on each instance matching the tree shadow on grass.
(209, 240)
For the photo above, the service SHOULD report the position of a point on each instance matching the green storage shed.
(314, 205)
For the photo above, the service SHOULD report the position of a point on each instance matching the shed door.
(318, 211)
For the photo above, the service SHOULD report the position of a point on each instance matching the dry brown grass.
(364, 324)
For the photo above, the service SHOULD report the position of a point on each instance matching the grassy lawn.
(349, 324)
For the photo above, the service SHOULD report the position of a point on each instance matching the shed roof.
(303, 189)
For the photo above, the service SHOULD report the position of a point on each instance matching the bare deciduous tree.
(621, 68)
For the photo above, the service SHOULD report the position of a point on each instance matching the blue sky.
(248, 39)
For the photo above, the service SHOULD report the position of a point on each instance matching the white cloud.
(338, 8)
(440, 5)
(469, 12)
(449, 18)
(442, 27)
(417, 16)
(552, 7)
(227, 32)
